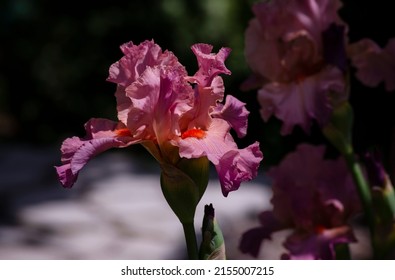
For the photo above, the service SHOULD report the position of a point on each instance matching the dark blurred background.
(55, 55)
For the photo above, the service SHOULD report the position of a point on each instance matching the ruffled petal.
(131, 69)
(232, 164)
(262, 54)
(136, 58)
(306, 186)
(101, 135)
(374, 65)
(210, 64)
(206, 100)
(235, 113)
(299, 103)
(238, 166)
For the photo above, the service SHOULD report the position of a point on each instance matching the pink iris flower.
(171, 114)
(314, 197)
(284, 48)
(374, 64)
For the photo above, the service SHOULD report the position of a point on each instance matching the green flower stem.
(364, 193)
(190, 238)
(343, 252)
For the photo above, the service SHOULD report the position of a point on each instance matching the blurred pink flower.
(285, 50)
(171, 114)
(313, 196)
(374, 64)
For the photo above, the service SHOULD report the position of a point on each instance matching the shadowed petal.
(374, 65)
(252, 239)
(299, 102)
(101, 135)
(320, 246)
(235, 113)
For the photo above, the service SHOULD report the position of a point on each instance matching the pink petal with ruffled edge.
(136, 59)
(233, 165)
(238, 166)
(210, 64)
(101, 135)
(235, 113)
(299, 103)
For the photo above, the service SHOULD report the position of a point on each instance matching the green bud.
(183, 185)
(213, 244)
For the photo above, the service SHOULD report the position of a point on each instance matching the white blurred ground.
(115, 211)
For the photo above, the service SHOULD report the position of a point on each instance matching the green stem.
(342, 252)
(190, 238)
(364, 193)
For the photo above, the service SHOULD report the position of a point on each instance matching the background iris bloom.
(284, 48)
(314, 197)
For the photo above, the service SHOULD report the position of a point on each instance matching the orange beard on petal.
(319, 229)
(194, 132)
(123, 132)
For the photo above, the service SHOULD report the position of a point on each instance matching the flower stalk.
(338, 132)
(190, 239)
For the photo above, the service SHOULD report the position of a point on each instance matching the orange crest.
(194, 132)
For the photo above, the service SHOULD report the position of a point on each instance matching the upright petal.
(136, 58)
(210, 64)
(235, 113)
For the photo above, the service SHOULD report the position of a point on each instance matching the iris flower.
(285, 50)
(314, 197)
(171, 114)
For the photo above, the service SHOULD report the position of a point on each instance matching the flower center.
(194, 132)
(319, 229)
(123, 132)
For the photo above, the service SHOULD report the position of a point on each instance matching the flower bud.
(184, 184)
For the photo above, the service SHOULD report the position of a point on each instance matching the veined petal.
(212, 145)
(232, 164)
(144, 95)
(101, 135)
